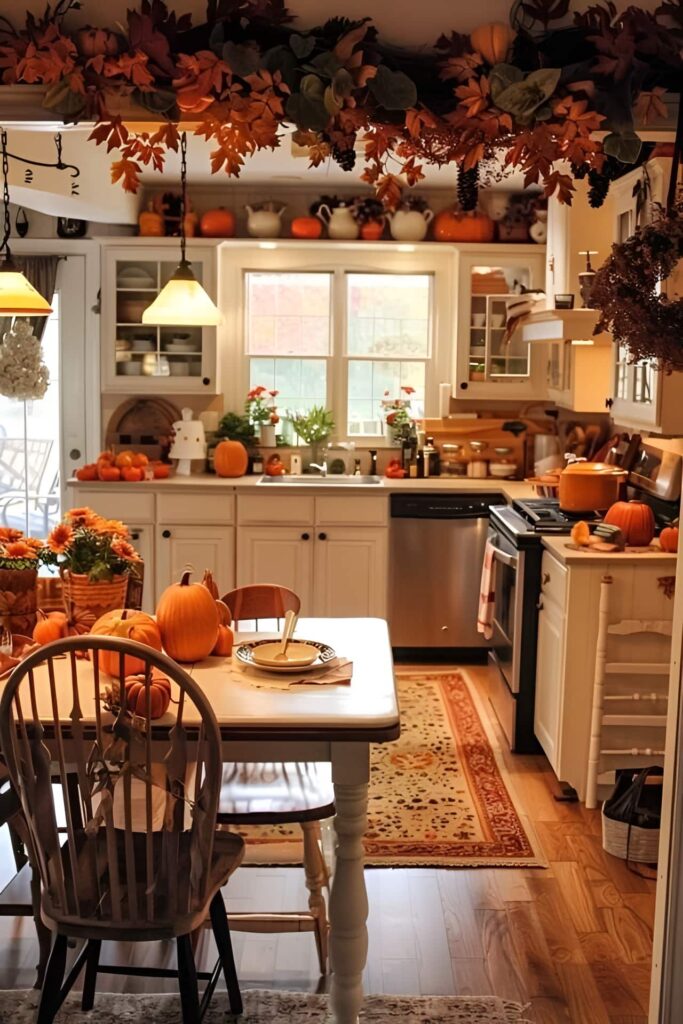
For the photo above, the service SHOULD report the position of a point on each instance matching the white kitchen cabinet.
(142, 538)
(350, 571)
(579, 375)
(179, 546)
(138, 358)
(277, 554)
(565, 669)
(488, 367)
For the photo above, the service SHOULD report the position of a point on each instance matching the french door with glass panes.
(42, 441)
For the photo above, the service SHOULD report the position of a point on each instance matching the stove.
(543, 515)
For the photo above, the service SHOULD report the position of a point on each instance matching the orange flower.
(122, 549)
(81, 516)
(113, 526)
(60, 538)
(7, 533)
(34, 543)
(19, 549)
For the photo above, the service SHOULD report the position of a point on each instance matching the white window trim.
(235, 262)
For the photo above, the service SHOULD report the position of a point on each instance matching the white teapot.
(409, 225)
(265, 220)
(340, 221)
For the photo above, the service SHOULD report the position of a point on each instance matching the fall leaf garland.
(245, 73)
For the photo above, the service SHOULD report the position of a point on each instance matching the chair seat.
(168, 920)
(275, 793)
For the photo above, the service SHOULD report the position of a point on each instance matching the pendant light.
(182, 302)
(18, 297)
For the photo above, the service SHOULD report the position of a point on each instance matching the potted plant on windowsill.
(261, 410)
(398, 418)
(314, 427)
(20, 558)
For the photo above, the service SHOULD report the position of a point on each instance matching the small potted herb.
(314, 427)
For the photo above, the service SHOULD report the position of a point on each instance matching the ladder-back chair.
(280, 793)
(140, 859)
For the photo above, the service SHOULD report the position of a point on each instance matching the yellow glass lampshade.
(182, 302)
(18, 297)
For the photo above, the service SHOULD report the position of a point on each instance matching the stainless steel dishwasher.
(436, 551)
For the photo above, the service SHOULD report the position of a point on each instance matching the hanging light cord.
(183, 195)
(4, 247)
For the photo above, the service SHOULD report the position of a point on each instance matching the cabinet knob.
(322, 536)
(546, 578)
(305, 536)
(206, 381)
(464, 386)
(75, 453)
(609, 402)
(135, 536)
(166, 533)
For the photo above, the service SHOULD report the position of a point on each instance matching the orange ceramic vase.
(451, 226)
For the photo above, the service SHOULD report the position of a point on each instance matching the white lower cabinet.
(277, 554)
(548, 673)
(179, 546)
(350, 571)
(142, 538)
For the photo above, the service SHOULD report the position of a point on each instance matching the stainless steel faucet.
(321, 466)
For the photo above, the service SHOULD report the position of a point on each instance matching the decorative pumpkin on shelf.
(454, 226)
(230, 458)
(131, 625)
(635, 520)
(668, 538)
(188, 620)
(306, 227)
(218, 223)
(159, 694)
(493, 41)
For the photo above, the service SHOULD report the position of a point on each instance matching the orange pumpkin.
(224, 615)
(88, 472)
(161, 471)
(132, 474)
(48, 629)
(224, 642)
(219, 223)
(372, 230)
(306, 227)
(140, 460)
(668, 538)
(188, 620)
(634, 519)
(230, 459)
(105, 471)
(210, 584)
(159, 694)
(131, 625)
(452, 226)
(492, 41)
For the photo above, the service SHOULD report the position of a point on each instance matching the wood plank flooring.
(573, 941)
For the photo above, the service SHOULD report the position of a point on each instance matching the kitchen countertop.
(558, 547)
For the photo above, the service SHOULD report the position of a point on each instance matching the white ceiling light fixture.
(182, 302)
(18, 297)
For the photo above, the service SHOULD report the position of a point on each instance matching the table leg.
(348, 897)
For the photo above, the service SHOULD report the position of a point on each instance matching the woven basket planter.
(82, 594)
(18, 600)
(640, 845)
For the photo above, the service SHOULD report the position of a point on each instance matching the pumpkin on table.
(230, 458)
(137, 694)
(131, 625)
(188, 620)
(635, 519)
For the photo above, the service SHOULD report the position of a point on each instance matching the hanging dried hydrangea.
(23, 374)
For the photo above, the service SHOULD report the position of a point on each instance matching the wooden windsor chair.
(280, 793)
(141, 859)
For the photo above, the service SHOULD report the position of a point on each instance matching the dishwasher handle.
(511, 561)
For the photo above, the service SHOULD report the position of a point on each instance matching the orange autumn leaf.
(127, 172)
(474, 96)
(649, 106)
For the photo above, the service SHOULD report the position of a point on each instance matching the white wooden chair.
(647, 707)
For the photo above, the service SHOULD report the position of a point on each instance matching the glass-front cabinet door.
(491, 359)
(139, 357)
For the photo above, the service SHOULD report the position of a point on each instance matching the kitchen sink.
(310, 480)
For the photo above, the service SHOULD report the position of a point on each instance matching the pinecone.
(599, 181)
(468, 187)
(345, 157)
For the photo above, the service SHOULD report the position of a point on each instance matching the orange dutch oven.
(590, 486)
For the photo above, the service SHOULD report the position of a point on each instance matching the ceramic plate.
(245, 655)
(298, 654)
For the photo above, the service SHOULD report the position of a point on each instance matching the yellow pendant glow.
(182, 302)
(18, 297)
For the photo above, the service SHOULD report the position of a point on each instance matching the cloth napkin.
(486, 594)
(337, 674)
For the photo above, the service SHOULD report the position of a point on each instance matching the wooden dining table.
(336, 723)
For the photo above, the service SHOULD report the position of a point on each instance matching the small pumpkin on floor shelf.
(635, 519)
(188, 620)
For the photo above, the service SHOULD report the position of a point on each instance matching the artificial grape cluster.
(599, 181)
(468, 188)
(345, 157)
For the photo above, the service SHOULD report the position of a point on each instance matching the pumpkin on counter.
(668, 538)
(131, 625)
(188, 619)
(49, 627)
(635, 520)
(159, 694)
(230, 458)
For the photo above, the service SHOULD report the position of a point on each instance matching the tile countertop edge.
(558, 548)
(510, 488)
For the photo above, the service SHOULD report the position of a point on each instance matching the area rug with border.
(440, 795)
(261, 1007)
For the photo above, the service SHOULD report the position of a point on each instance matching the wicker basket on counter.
(82, 593)
(18, 600)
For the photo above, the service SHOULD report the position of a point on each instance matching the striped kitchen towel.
(486, 593)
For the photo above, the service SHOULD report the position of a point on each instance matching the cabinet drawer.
(116, 504)
(279, 509)
(351, 511)
(196, 508)
(553, 580)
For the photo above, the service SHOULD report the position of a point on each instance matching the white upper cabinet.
(137, 357)
(488, 365)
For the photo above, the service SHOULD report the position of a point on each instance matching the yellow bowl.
(298, 653)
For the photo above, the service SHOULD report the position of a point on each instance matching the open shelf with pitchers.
(138, 357)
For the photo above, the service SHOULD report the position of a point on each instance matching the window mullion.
(338, 384)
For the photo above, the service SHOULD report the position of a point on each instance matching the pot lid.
(593, 469)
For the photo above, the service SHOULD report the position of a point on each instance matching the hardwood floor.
(573, 941)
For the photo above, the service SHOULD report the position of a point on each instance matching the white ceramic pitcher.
(409, 225)
(340, 221)
(265, 221)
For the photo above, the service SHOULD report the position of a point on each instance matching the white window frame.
(339, 260)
